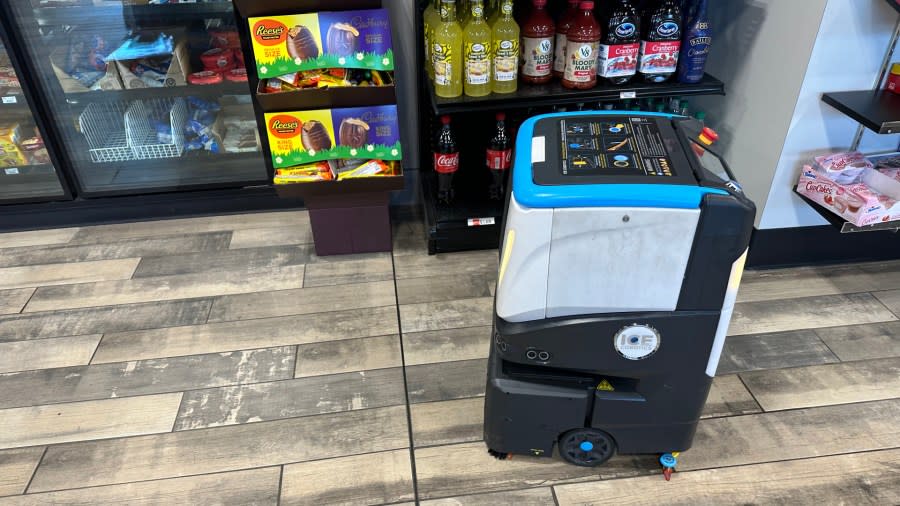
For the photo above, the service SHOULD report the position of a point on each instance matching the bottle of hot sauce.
(562, 28)
(582, 42)
(538, 32)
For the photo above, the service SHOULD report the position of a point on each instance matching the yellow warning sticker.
(606, 386)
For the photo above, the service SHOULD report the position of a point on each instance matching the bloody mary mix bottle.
(562, 28)
(582, 42)
(538, 32)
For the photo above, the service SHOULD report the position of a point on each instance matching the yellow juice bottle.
(430, 18)
(477, 40)
(505, 37)
(447, 53)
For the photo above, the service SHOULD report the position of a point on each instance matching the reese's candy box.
(344, 39)
(303, 137)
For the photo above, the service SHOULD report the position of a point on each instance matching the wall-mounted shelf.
(877, 110)
(846, 227)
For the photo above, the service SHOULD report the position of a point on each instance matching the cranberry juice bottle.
(562, 28)
(538, 32)
(661, 42)
(618, 53)
(582, 41)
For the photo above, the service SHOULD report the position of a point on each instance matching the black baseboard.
(782, 247)
(141, 208)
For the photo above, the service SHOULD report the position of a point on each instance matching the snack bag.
(843, 168)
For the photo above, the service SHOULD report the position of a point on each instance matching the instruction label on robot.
(614, 146)
(637, 342)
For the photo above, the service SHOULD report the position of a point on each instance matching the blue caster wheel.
(586, 447)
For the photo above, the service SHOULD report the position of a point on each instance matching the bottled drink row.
(478, 49)
(499, 149)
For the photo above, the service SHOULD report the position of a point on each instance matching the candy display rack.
(349, 216)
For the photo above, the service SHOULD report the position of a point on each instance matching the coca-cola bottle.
(446, 161)
(499, 158)
(661, 41)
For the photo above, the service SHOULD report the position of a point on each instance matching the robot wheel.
(586, 447)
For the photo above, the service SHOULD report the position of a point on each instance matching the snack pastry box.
(301, 137)
(872, 198)
(345, 39)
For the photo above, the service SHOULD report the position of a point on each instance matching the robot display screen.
(613, 146)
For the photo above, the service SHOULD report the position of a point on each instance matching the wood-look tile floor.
(218, 360)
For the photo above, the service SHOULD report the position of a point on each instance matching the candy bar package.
(302, 137)
(871, 198)
(344, 39)
(843, 168)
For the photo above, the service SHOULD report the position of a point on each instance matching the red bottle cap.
(709, 132)
(445, 120)
(501, 116)
(586, 6)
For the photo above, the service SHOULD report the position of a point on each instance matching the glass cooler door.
(117, 80)
(27, 173)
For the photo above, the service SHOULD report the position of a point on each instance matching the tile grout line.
(753, 396)
(280, 484)
(177, 413)
(409, 426)
(889, 310)
(94, 354)
(553, 494)
(835, 355)
(20, 312)
(36, 467)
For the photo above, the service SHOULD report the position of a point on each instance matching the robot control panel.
(610, 150)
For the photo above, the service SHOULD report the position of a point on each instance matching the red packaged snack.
(239, 57)
(205, 77)
(218, 59)
(225, 39)
(237, 75)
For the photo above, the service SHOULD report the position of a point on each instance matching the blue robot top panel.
(603, 159)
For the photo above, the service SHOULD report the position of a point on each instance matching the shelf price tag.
(12, 171)
(481, 222)
(10, 99)
(627, 94)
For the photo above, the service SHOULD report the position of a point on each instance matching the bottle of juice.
(660, 42)
(446, 53)
(491, 11)
(477, 40)
(505, 36)
(430, 18)
(462, 12)
(619, 48)
(537, 44)
(582, 41)
(562, 27)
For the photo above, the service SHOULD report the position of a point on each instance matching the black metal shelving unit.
(877, 110)
(473, 221)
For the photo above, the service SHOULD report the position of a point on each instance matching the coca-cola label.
(499, 159)
(617, 60)
(581, 65)
(659, 57)
(446, 163)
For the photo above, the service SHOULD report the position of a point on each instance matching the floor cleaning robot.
(624, 244)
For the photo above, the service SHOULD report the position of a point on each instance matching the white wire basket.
(103, 124)
(142, 136)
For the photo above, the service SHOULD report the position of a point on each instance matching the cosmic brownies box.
(301, 137)
(345, 39)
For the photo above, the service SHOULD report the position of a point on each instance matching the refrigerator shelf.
(89, 14)
(191, 90)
